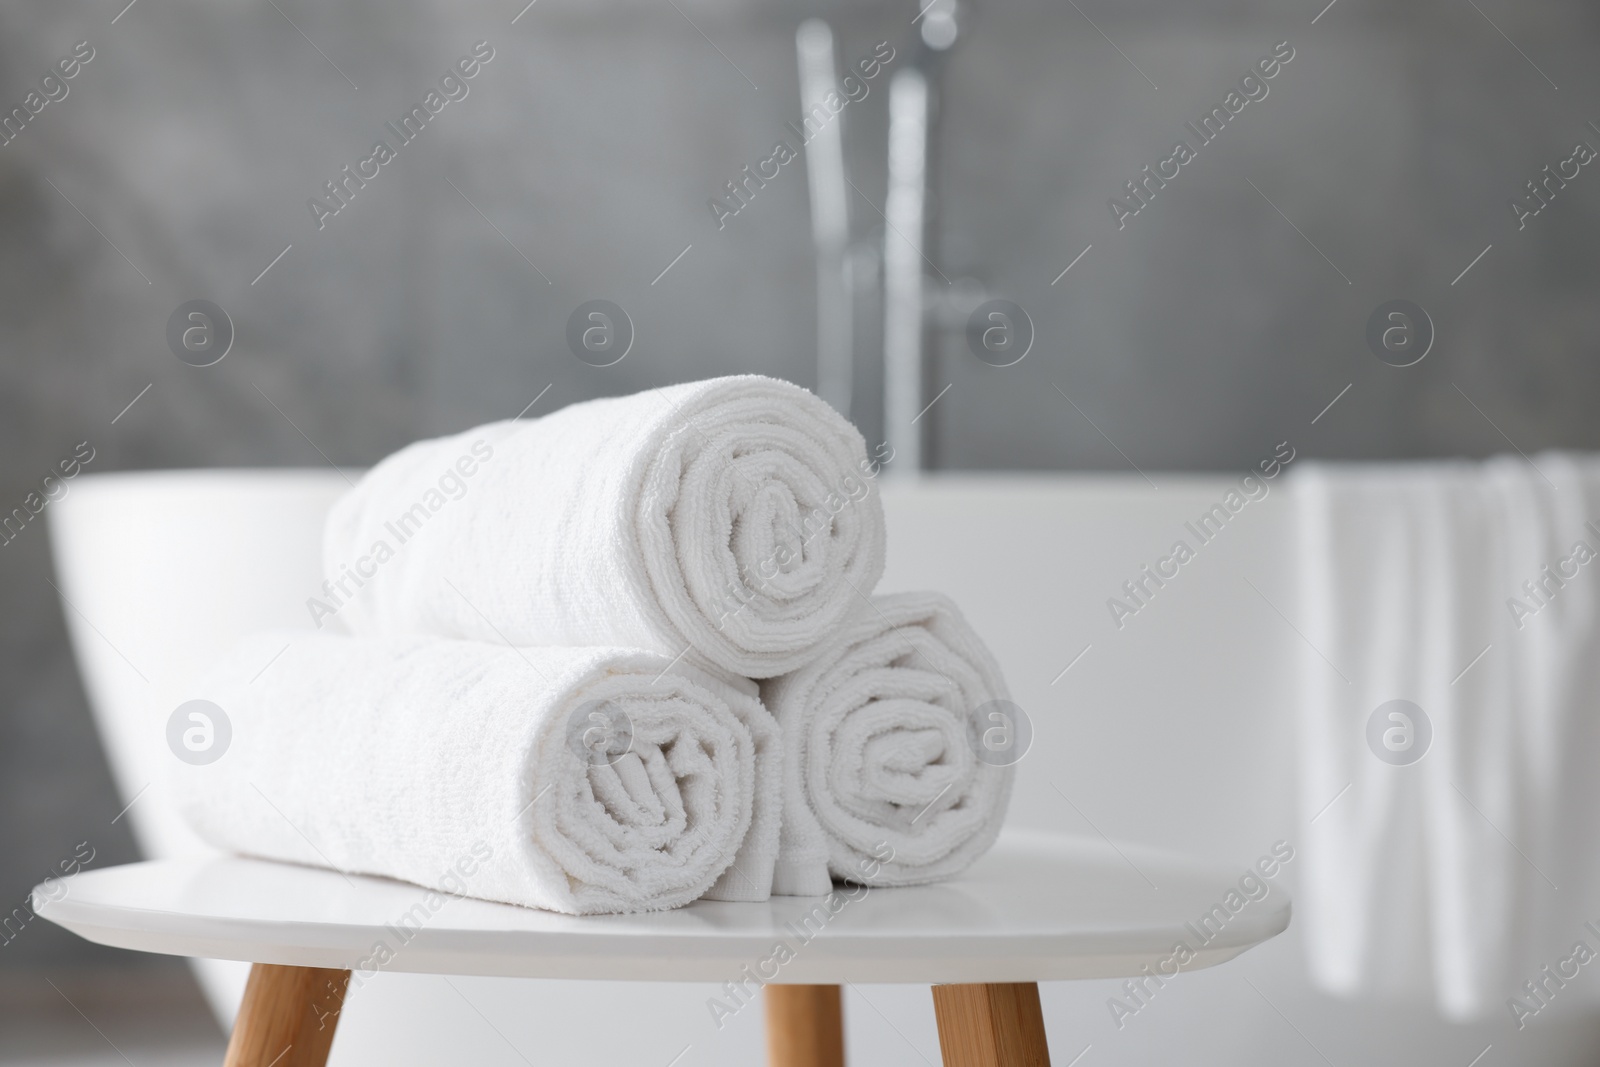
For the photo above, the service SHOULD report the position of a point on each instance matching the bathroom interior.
(1333, 346)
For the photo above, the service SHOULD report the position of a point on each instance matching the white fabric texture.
(402, 756)
(1435, 879)
(733, 520)
(879, 733)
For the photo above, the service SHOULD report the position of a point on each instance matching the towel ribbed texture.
(732, 520)
(879, 753)
(401, 756)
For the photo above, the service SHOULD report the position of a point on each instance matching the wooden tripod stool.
(1036, 908)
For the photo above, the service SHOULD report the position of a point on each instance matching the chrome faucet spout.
(904, 232)
(830, 219)
(908, 252)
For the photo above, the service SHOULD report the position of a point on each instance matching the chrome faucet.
(845, 271)
(830, 221)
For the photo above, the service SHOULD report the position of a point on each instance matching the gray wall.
(1195, 338)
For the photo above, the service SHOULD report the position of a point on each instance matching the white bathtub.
(1175, 729)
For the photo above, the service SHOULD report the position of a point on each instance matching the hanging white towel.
(1469, 590)
(733, 521)
(579, 780)
(883, 782)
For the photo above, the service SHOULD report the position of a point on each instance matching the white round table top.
(1035, 908)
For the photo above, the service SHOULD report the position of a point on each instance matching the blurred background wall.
(1220, 320)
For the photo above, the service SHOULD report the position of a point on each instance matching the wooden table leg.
(805, 1026)
(287, 1017)
(997, 1025)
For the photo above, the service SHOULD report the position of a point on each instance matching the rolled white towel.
(881, 735)
(731, 520)
(580, 780)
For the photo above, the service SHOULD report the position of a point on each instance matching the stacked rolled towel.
(580, 780)
(514, 587)
(881, 735)
(729, 521)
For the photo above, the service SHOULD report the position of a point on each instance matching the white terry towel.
(1470, 590)
(585, 780)
(880, 730)
(731, 519)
